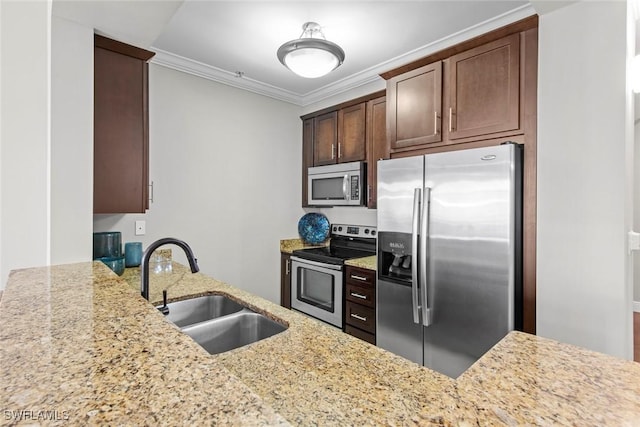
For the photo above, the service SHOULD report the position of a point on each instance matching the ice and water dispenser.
(394, 257)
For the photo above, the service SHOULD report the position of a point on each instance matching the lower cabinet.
(360, 303)
(285, 280)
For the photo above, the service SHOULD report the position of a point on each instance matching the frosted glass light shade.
(311, 62)
(311, 55)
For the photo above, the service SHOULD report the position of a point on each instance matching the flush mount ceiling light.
(311, 55)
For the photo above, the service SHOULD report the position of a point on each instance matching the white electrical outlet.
(141, 228)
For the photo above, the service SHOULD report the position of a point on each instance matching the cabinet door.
(121, 141)
(307, 157)
(377, 146)
(351, 133)
(414, 107)
(484, 89)
(325, 139)
(285, 280)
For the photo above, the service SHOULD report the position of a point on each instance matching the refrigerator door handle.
(424, 255)
(415, 226)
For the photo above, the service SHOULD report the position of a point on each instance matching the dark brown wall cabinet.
(478, 93)
(360, 303)
(339, 136)
(484, 89)
(414, 106)
(350, 132)
(377, 146)
(121, 137)
(472, 95)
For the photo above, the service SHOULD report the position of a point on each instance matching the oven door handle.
(317, 264)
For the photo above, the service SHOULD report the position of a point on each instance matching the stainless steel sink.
(200, 309)
(233, 331)
(220, 324)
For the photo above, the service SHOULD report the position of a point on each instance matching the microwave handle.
(345, 187)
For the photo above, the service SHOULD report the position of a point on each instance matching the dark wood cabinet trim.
(345, 104)
(123, 48)
(307, 157)
(285, 280)
(529, 55)
(519, 26)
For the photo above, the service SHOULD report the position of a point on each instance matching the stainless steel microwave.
(341, 184)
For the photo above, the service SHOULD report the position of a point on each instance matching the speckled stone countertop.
(78, 339)
(290, 245)
(369, 262)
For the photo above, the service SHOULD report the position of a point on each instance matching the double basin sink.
(219, 323)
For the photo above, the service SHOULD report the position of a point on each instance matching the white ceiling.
(217, 39)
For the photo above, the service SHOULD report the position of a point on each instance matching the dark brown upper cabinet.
(121, 123)
(351, 133)
(339, 136)
(377, 146)
(484, 89)
(325, 139)
(414, 107)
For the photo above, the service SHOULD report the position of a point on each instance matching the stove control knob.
(339, 228)
(335, 228)
(366, 231)
(373, 232)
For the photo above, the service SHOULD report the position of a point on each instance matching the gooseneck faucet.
(144, 267)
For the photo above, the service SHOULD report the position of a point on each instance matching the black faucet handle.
(164, 309)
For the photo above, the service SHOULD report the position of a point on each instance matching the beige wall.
(24, 135)
(71, 142)
(226, 170)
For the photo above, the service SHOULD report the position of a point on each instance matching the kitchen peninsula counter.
(79, 340)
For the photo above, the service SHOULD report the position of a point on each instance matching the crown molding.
(353, 81)
(209, 72)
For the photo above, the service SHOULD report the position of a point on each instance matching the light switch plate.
(141, 228)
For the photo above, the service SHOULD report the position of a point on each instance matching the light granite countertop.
(290, 245)
(79, 340)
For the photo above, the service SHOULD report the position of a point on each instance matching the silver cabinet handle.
(288, 266)
(364, 279)
(450, 119)
(435, 123)
(353, 294)
(414, 254)
(151, 198)
(424, 255)
(369, 192)
(355, 316)
(339, 150)
(333, 151)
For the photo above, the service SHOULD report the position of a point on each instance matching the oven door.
(316, 289)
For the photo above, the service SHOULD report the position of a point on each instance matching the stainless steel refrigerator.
(449, 254)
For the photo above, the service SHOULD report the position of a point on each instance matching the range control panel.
(354, 230)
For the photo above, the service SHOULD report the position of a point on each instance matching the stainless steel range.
(317, 279)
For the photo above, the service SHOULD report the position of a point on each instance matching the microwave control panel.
(355, 188)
